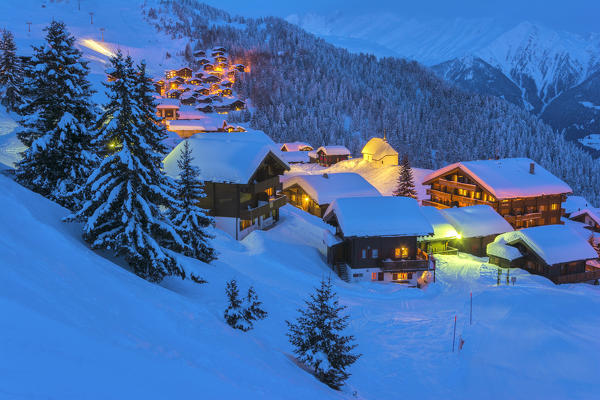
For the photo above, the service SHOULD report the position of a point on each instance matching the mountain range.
(553, 74)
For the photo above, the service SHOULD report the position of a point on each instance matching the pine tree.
(11, 72)
(125, 192)
(189, 220)
(406, 182)
(57, 117)
(318, 340)
(234, 314)
(253, 308)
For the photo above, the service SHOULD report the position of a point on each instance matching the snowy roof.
(500, 248)
(508, 177)
(442, 228)
(379, 148)
(593, 213)
(313, 154)
(334, 150)
(476, 221)
(553, 243)
(296, 146)
(323, 189)
(198, 124)
(379, 216)
(190, 112)
(575, 203)
(294, 156)
(167, 103)
(225, 157)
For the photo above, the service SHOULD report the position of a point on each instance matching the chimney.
(325, 176)
(532, 168)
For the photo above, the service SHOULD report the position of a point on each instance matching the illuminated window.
(269, 191)
(374, 253)
(245, 223)
(374, 276)
(478, 195)
(400, 276)
(364, 253)
(401, 252)
(554, 206)
(397, 252)
(543, 207)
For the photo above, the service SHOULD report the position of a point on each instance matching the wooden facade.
(249, 203)
(327, 160)
(457, 188)
(298, 197)
(589, 218)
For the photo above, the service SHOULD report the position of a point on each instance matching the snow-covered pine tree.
(234, 313)
(253, 308)
(189, 219)
(318, 340)
(128, 188)
(57, 118)
(11, 72)
(406, 182)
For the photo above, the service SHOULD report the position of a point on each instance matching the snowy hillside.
(528, 64)
(75, 325)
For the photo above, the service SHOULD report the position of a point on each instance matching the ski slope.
(76, 325)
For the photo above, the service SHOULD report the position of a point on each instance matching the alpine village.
(170, 173)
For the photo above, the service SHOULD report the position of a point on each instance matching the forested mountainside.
(303, 88)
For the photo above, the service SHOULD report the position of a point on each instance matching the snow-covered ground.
(76, 325)
(384, 178)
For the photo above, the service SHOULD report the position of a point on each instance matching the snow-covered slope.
(75, 325)
(430, 41)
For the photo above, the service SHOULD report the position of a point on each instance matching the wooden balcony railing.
(457, 185)
(403, 265)
(263, 209)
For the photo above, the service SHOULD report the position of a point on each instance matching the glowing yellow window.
(401, 252)
(374, 276)
(554, 207)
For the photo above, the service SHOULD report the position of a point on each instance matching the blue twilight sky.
(571, 15)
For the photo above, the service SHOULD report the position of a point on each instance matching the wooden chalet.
(588, 216)
(240, 67)
(379, 152)
(208, 67)
(376, 239)
(241, 174)
(554, 251)
(199, 53)
(329, 155)
(296, 146)
(520, 190)
(314, 193)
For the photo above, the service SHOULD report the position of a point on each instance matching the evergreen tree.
(189, 220)
(128, 188)
(406, 182)
(234, 314)
(11, 72)
(57, 116)
(253, 308)
(318, 340)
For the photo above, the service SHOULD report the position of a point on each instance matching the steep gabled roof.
(226, 157)
(378, 148)
(378, 216)
(508, 177)
(334, 150)
(324, 189)
(296, 146)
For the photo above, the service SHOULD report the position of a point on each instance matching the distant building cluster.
(197, 98)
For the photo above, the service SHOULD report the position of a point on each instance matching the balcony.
(403, 265)
(522, 217)
(434, 204)
(450, 198)
(261, 186)
(457, 185)
(264, 207)
(578, 277)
